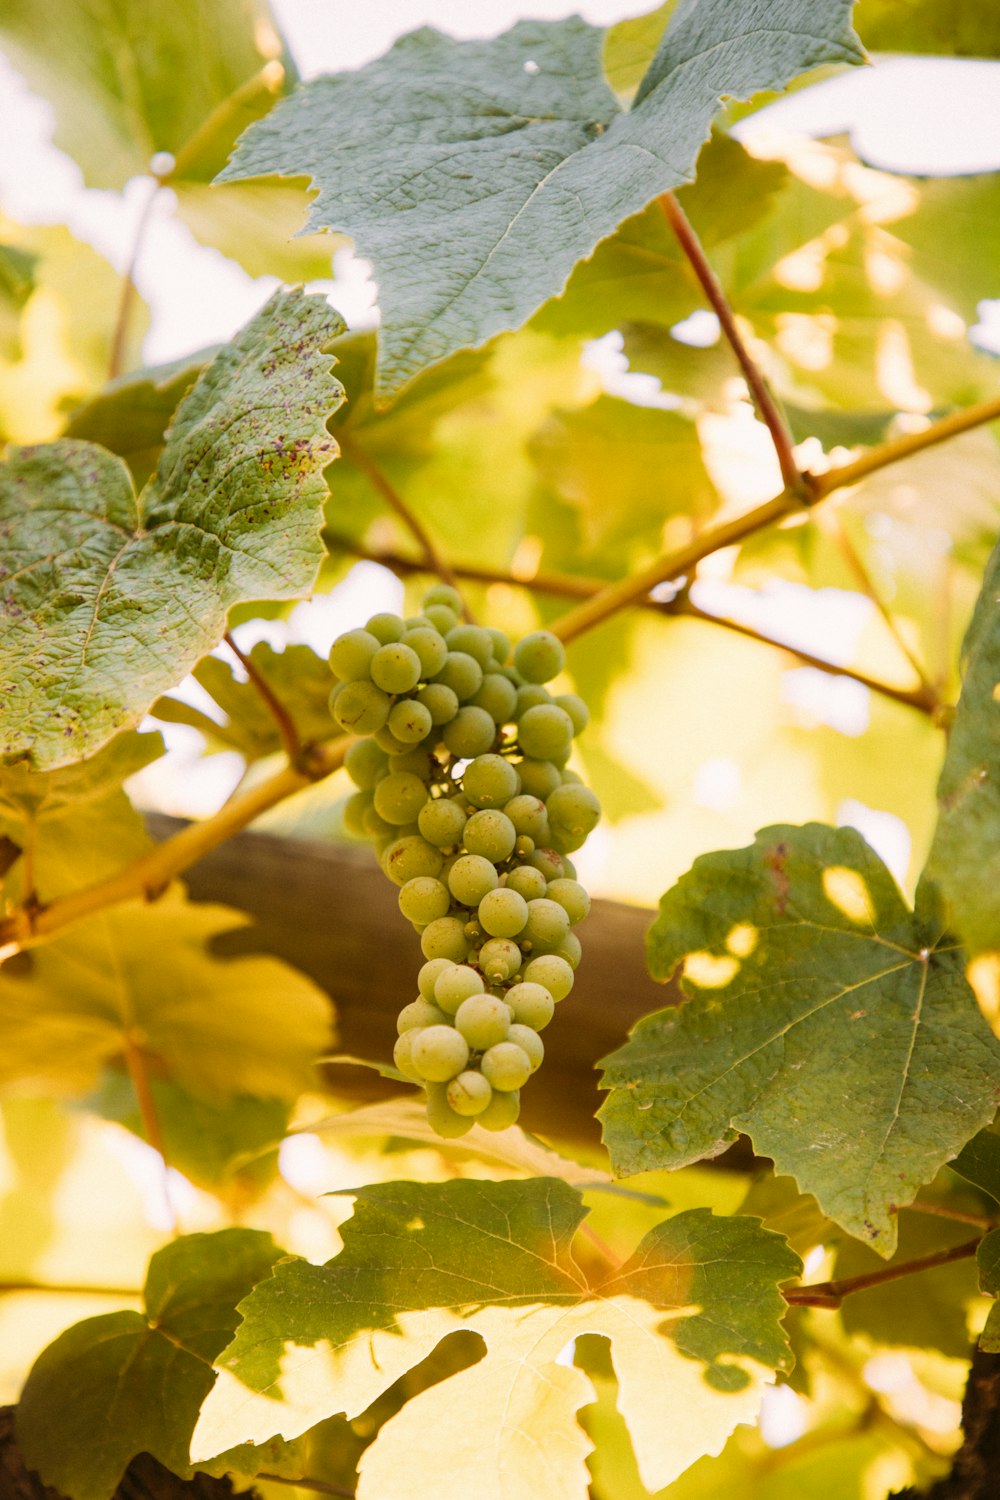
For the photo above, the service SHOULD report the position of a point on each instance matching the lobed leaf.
(827, 1021)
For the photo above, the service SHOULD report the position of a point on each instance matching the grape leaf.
(45, 794)
(988, 1262)
(965, 854)
(693, 1318)
(979, 1162)
(219, 1027)
(498, 165)
(17, 282)
(804, 965)
(130, 1382)
(943, 28)
(130, 416)
(110, 598)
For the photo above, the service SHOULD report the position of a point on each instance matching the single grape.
(469, 1093)
(529, 695)
(470, 732)
(470, 878)
(529, 817)
(402, 1056)
(410, 856)
(444, 1120)
(571, 950)
(491, 781)
(474, 641)
(399, 797)
(483, 1020)
(445, 938)
(361, 707)
(387, 741)
(439, 1053)
(455, 985)
(578, 711)
(552, 973)
(355, 810)
(501, 1112)
(377, 829)
(441, 702)
(441, 617)
(429, 975)
(462, 673)
(499, 698)
(503, 913)
(419, 760)
(365, 763)
(424, 899)
(531, 1003)
(539, 656)
(429, 645)
(386, 628)
(529, 1042)
(573, 810)
(500, 959)
(572, 897)
(441, 822)
(420, 1013)
(523, 846)
(527, 882)
(396, 668)
(547, 924)
(506, 1065)
(548, 863)
(501, 645)
(351, 655)
(443, 593)
(410, 721)
(544, 732)
(539, 778)
(491, 834)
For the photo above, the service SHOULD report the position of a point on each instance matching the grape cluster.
(463, 789)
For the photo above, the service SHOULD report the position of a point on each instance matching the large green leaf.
(44, 794)
(965, 855)
(130, 1382)
(945, 28)
(827, 1021)
(693, 1319)
(131, 415)
(112, 598)
(145, 975)
(988, 1263)
(497, 165)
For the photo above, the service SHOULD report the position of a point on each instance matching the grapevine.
(465, 792)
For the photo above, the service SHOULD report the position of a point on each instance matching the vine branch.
(792, 476)
(286, 728)
(832, 1293)
(138, 1073)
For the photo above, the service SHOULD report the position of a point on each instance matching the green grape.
(441, 617)
(417, 622)
(578, 711)
(530, 695)
(539, 656)
(439, 1053)
(471, 732)
(365, 763)
(471, 877)
(424, 899)
(484, 1021)
(474, 641)
(544, 732)
(402, 1056)
(387, 741)
(410, 856)
(506, 1065)
(490, 781)
(443, 593)
(429, 975)
(395, 668)
(574, 810)
(445, 938)
(444, 1120)
(539, 778)
(529, 817)
(420, 1013)
(501, 645)
(527, 882)
(491, 834)
(529, 1042)
(547, 924)
(386, 628)
(571, 950)
(456, 985)
(441, 822)
(523, 846)
(361, 707)
(469, 1093)
(351, 655)
(429, 645)
(569, 868)
(440, 701)
(552, 973)
(377, 828)
(419, 760)
(462, 673)
(500, 959)
(399, 797)
(572, 896)
(548, 863)
(356, 809)
(499, 698)
(501, 1112)
(409, 721)
(531, 1003)
(503, 913)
